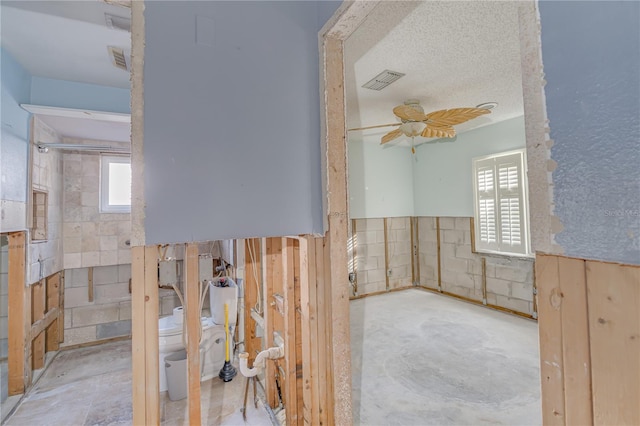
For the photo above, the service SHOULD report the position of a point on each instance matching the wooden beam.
(192, 294)
(575, 342)
(323, 323)
(270, 315)
(61, 305)
(38, 303)
(252, 279)
(417, 248)
(17, 320)
(439, 254)
(291, 391)
(41, 325)
(550, 333)
(152, 350)
(53, 302)
(305, 331)
(90, 283)
(386, 252)
(613, 293)
(354, 254)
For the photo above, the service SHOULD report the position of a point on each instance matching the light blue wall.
(236, 117)
(69, 94)
(380, 180)
(16, 86)
(443, 183)
(591, 57)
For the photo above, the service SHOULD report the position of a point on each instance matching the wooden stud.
(472, 227)
(138, 346)
(417, 253)
(16, 313)
(269, 318)
(297, 279)
(613, 293)
(354, 254)
(252, 275)
(438, 253)
(575, 342)
(386, 253)
(313, 331)
(329, 331)
(152, 352)
(484, 280)
(322, 323)
(413, 252)
(40, 325)
(53, 303)
(61, 306)
(550, 333)
(191, 287)
(291, 390)
(38, 303)
(90, 283)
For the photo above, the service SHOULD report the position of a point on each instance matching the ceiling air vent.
(382, 80)
(115, 22)
(119, 58)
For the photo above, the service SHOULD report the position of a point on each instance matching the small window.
(115, 184)
(39, 220)
(501, 206)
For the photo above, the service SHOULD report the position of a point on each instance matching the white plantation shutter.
(500, 203)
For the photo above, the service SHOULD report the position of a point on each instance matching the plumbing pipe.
(271, 353)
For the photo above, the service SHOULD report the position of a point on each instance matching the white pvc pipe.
(259, 363)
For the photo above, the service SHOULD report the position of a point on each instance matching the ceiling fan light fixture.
(412, 128)
(487, 105)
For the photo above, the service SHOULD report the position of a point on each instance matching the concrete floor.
(420, 358)
(92, 386)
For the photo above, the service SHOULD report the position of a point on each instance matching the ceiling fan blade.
(406, 112)
(432, 131)
(451, 117)
(391, 136)
(375, 127)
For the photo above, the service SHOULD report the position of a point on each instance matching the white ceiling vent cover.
(115, 22)
(382, 80)
(119, 58)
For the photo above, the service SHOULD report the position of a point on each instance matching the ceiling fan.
(438, 124)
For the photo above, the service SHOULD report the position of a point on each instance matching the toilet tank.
(220, 294)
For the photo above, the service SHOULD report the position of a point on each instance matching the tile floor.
(92, 386)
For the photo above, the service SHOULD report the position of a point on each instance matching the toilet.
(211, 347)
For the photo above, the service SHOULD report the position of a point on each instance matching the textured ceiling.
(454, 54)
(65, 40)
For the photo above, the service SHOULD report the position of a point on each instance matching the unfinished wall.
(372, 257)
(16, 89)
(91, 238)
(594, 114)
(246, 75)
(509, 281)
(45, 257)
(4, 298)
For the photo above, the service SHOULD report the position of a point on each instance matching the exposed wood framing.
(49, 319)
(53, 303)
(386, 251)
(36, 335)
(439, 254)
(144, 330)
(18, 320)
(290, 343)
(354, 255)
(252, 279)
(61, 304)
(323, 322)
(90, 284)
(589, 341)
(413, 251)
(192, 296)
(273, 265)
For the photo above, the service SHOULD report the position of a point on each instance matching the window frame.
(105, 161)
(498, 247)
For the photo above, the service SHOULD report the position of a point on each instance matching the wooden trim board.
(17, 320)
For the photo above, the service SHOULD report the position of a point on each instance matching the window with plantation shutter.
(501, 203)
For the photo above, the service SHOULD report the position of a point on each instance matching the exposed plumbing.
(271, 353)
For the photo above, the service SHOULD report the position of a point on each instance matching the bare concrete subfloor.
(420, 358)
(92, 386)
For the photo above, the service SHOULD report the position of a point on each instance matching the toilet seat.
(167, 326)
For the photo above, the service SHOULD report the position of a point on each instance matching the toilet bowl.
(212, 346)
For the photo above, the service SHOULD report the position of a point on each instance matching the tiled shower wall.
(509, 280)
(369, 261)
(109, 314)
(91, 238)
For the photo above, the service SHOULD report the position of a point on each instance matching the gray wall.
(591, 56)
(232, 112)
